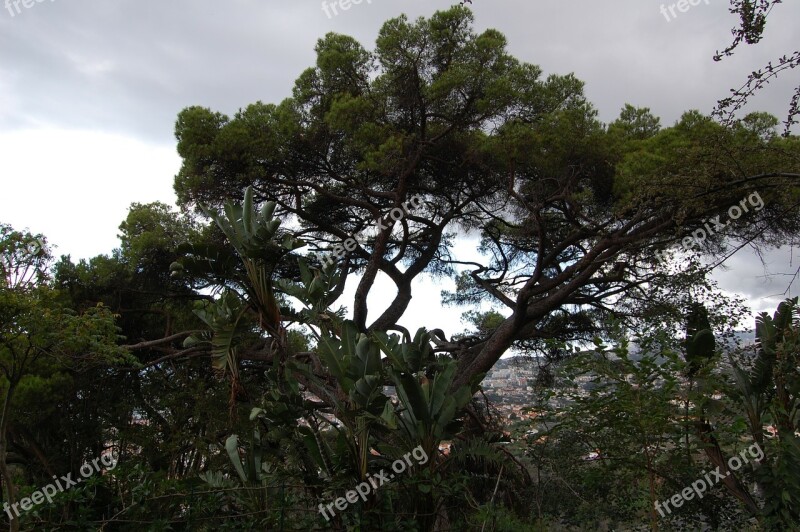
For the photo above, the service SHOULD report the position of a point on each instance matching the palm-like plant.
(254, 236)
(428, 406)
(348, 373)
(769, 392)
(771, 384)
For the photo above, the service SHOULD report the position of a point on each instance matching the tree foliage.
(215, 353)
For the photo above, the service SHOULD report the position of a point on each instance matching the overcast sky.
(89, 92)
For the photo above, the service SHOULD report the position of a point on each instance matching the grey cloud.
(129, 66)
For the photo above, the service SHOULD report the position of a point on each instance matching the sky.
(90, 90)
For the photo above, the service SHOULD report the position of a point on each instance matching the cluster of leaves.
(568, 210)
(753, 20)
(622, 430)
(349, 427)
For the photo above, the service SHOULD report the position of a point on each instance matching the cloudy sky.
(89, 91)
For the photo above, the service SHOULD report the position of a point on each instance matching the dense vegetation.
(212, 356)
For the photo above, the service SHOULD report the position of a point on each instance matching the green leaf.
(232, 447)
(388, 415)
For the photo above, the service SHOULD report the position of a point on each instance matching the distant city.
(509, 385)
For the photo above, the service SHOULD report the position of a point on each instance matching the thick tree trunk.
(714, 453)
(8, 482)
